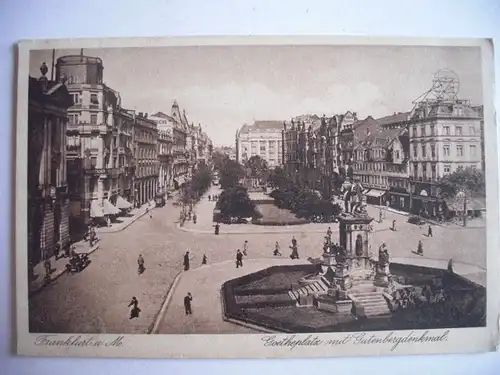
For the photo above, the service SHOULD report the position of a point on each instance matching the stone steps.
(373, 303)
(318, 286)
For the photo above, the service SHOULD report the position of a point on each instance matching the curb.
(57, 275)
(197, 231)
(153, 328)
(125, 226)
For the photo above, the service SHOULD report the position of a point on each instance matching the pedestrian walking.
(276, 251)
(239, 259)
(245, 248)
(420, 248)
(217, 228)
(380, 216)
(295, 252)
(134, 312)
(186, 261)
(187, 304)
(204, 259)
(429, 231)
(209, 197)
(194, 218)
(329, 233)
(394, 225)
(140, 263)
(294, 241)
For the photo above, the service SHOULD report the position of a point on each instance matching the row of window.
(380, 167)
(446, 150)
(458, 130)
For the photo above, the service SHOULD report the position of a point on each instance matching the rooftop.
(262, 126)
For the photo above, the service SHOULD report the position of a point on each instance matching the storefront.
(398, 200)
(427, 206)
(375, 197)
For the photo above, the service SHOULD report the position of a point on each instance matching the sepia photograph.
(279, 191)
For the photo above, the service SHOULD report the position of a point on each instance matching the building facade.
(145, 149)
(165, 159)
(381, 160)
(48, 201)
(98, 144)
(312, 150)
(444, 136)
(264, 139)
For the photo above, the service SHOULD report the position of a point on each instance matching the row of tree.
(199, 184)
(299, 199)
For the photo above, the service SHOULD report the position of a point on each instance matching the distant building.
(145, 141)
(48, 203)
(312, 149)
(263, 139)
(381, 158)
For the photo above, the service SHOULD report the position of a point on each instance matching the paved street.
(96, 300)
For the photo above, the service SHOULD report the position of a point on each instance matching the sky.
(224, 87)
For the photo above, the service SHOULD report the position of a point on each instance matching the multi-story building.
(480, 112)
(165, 159)
(179, 127)
(264, 139)
(145, 144)
(380, 160)
(312, 150)
(48, 203)
(98, 144)
(165, 127)
(445, 135)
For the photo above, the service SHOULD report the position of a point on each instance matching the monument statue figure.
(383, 256)
(352, 195)
(359, 245)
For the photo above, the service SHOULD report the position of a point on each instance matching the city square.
(137, 222)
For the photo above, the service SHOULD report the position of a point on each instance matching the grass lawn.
(277, 216)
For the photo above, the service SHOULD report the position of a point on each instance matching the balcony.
(109, 172)
(87, 128)
(121, 151)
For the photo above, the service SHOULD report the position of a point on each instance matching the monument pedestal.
(342, 276)
(382, 276)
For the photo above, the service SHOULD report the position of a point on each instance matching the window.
(423, 130)
(424, 170)
(262, 148)
(93, 119)
(446, 130)
(446, 150)
(433, 151)
(472, 131)
(93, 99)
(472, 150)
(397, 154)
(73, 119)
(458, 130)
(447, 168)
(414, 131)
(460, 150)
(93, 162)
(76, 98)
(433, 130)
(424, 153)
(415, 151)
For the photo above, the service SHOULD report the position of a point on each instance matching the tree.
(464, 179)
(230, 173)
(235, 202)
(277, 178)
(201, 181)
(219, 159)
(257, 166)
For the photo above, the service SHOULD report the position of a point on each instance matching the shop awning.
(375, 193)
(96, 209)
(181, 180)
(122, 203)
(109, 209)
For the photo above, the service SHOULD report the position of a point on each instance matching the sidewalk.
(125, 221)
(58, 267)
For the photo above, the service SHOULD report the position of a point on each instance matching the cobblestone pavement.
(96, 300)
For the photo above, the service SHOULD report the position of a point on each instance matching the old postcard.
(256, 197)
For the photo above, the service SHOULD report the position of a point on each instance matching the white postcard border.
(254, 346)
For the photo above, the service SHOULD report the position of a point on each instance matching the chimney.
(140, 114)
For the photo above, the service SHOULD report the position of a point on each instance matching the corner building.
(48, 203)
